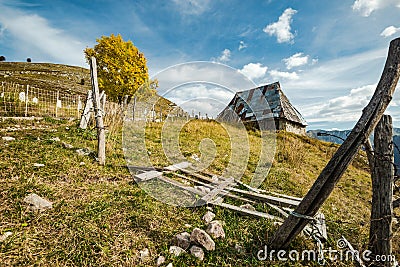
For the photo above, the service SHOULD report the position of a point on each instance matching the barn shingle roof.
(249, 104)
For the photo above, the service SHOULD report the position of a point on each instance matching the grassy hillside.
(46, 76)
(100, 217)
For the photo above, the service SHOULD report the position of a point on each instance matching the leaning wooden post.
(86, 111)
(380, 235)
(101, 138)
(338, 164)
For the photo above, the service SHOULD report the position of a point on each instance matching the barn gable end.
(250, 106)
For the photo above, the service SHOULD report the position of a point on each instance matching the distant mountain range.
(338, 137)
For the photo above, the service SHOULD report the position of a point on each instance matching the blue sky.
(327, 55)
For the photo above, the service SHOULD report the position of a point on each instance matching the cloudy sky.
(327, 55)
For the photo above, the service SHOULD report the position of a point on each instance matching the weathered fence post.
(26, 101)
(338, 164)
(58, 99)
(86, 112)
(380, 235)
(101, 138)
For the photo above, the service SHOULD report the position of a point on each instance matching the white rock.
(208, 217)
(197, 252)
(82, 151)
(239, 248)
(182, 240)
(215, 229)
(144, 254)
(188, 225)
(170, 265)
(8, 138)
(160, 260)
(200, 237)
(37, 203)
(38, 165)
(55, 139)
(5, 236)
(67, 145)
(82, 163)
(176, 251)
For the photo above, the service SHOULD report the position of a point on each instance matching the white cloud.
(225, 55)
(281, 29)
(192, 7)
(366, 7)
(33, 36)
(242, 45)
(389, 31)
(254, 70)
(345, 108)
(276, 75)
(298, 59)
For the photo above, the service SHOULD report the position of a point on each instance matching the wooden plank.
(217, 190)
(245, 211)
(381, 234)
(338, 164)
(147, 175)
(178, 166)
(101, 137)
(226, 193)
(181, 186)
(261, 197)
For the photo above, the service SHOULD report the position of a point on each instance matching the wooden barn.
(264, 107)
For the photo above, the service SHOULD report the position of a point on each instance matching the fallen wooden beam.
(213, 193)
(269, 199)
(145, 176)
(178, 166)
(225, 193)
(245, 211)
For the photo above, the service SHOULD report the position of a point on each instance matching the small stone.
(200, 237)
(38, 139)
(197, 252)
(170, 265)
(55, 139)
(67, 145)
(248, 206)
(239, 248)
(38, 165)
(37, 203)
(144, 254)
(67, 128)
(160, 260)
(188, 225)
(176, 251)
(209, 208)
(208, 217)
(5, 236)
(8, 138)
(82, 163)
(215, 229)
(83, 152)
(182, 240)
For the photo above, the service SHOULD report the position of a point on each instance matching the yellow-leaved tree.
(121, 68)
